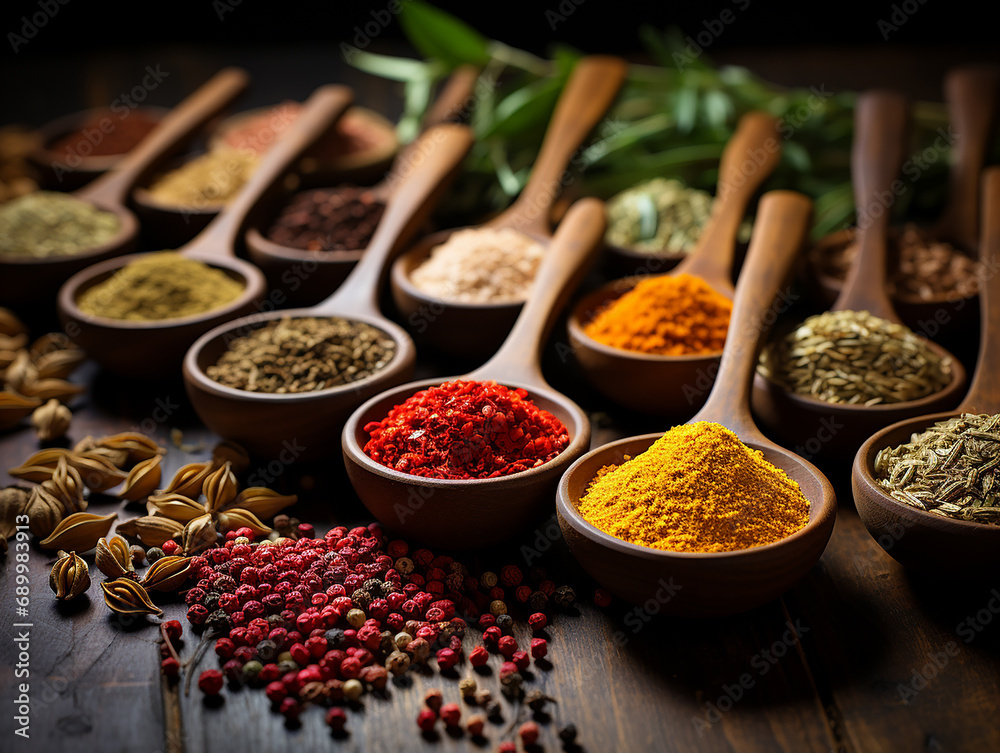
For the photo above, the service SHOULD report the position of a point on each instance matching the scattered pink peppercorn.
(173, 629)
(305, 531)
(475, 725)
(426, 720)
(170, 547)
(507, 747)
(539, 647)
(433, 699)
(290, 708)
(521, 660)
(479, 656)
(446, 658)
(170, 667)
(487, 621)
(507, 645)
(224, 648)
(602, 598)
(336, 718)
(491, 637)
(538, 621)
(210, 682)
(529, 733)
(276, 691)
(451, 714)
(507, 668)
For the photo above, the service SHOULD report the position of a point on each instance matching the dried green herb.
(48, 223)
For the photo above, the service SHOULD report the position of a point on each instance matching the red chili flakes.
(466, 430)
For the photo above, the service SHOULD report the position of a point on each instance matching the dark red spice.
(104, 134)
(210, 682)
(466, 430)
(328, 219)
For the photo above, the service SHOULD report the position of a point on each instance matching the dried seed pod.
(14, 407)
(231, 452)
(45, 511)
(113, 558)
(13, 502)
(142, 479)
(189, 480)
(98, 472)
(47, 389)
(125, 596)
(174, 506)
(55, 357)
(67, 486)
(235, 518)
(167, 573)
(40, 466)
(51, 420)
(220, 488)
(151, 530)
(70, 576)
(79, 532)
(263, 502)
(10, 325)
(138, 446)
(198, 534)
(117, 457)
(21, 372)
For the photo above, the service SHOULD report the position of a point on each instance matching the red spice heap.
(466, 430)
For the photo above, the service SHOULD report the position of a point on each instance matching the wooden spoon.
(713, 584)
(474, 330)
(972, 94)
(918, 539)
(480, 512)
(838, 429)
(264, 422)
(146, 348)
(35, 280)
(678, 385)
(307, 277)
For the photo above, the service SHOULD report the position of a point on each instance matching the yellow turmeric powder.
(698, 488)
(669, 315)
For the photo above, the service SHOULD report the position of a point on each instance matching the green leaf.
(397, 69)
(417, 96)
(524, 108)
(797, 156)
(437, 34)
(718, 108)
(686, 112)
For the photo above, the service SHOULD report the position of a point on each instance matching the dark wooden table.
(859, 656)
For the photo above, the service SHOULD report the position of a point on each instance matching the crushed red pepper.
(466, 430)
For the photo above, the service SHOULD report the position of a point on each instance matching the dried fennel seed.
(950, 469)
(852, 357)
(303, 355)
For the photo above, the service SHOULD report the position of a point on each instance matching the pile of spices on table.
(658, 216)
(466, 430)
(328, 219)
(48, 223)
(950, 469)
(481, 265)
(303, 354)
(698, 488)
(161, 285)
(33, 378)
(209, 181)
(103, 134)
(921, 267)
(852, 357)
(352, 133)
(665, 315)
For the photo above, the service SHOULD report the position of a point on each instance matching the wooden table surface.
(859, 656)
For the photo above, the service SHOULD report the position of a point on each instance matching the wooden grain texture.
(865, 625)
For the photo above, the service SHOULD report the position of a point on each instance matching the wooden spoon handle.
(574, 245)
(971, 93)
(179, 124)
(750, 157)
(432, 163)
(320, 111)
(454, 97)
(880, 125)
(984, 393)
(778, 234)
(587, 96)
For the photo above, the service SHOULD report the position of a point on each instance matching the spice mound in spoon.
(923, 268)
(481, 265)
(466, 430)
(158, 286)
(49, 223)
(950, 469)
(853, 357)
(697, 488)
(667, 315)
(343, 218)
(303, 354)
(211, 180)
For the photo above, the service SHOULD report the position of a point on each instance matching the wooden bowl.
(694, 584)
(54, 172)
(619, 261)
(154, 348)
(268, 424)
(454, 513)
(168, 225)
(922, 541)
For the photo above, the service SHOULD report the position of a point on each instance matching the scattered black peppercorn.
(538, 601)
(564, 596)
(567, 733)
(506, 623)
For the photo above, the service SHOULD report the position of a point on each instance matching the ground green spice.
(163, 285)
(48, 223)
